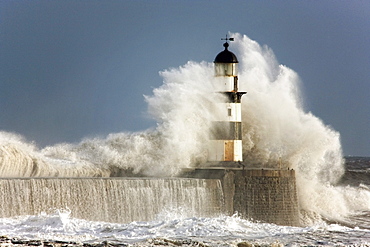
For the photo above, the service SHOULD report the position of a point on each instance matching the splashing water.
(277, 132)
(182, 231)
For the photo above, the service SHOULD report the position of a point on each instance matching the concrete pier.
(260, 194)
(264, 195)
(118, 200)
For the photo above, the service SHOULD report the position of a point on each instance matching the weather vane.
(231, 39)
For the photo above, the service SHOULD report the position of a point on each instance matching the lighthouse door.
(229, 150)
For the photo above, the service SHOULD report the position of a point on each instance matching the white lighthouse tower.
(226, 133)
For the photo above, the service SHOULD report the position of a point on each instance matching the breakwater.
(262, 195)
(120, 200)
(265, 195)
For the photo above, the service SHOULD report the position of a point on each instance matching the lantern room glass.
(226, 69)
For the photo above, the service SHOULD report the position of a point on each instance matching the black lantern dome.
(226, 62)
(226, 56)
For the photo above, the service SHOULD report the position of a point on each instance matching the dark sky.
(75, 69)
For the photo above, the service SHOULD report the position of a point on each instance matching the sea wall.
(267, 195)
(260, 194)
(119, 200)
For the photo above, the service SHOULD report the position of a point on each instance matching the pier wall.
(119, 200)
(258, 194)
(262, 195)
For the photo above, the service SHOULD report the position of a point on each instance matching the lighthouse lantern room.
(226, 63)
(226, 133)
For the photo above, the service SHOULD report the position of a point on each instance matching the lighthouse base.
(257, 194)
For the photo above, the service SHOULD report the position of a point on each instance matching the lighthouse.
(226, 131)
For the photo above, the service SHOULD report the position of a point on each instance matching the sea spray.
(184, 107)
(277, 133)
(19, 158)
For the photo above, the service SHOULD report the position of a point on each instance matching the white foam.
(223, 229)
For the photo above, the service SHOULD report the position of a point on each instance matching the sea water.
(277, 129)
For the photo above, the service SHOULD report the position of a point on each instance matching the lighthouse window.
(229, 112)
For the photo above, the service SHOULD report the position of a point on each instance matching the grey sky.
(72, 69)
